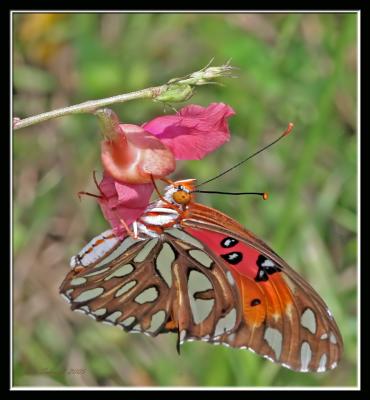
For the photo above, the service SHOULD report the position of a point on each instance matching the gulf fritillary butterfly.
(195, 271)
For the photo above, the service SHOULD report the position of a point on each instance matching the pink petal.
(123, 201)
(134, 155)
(195, 131)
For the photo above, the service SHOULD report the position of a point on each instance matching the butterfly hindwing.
(155, 285)
(122, 288)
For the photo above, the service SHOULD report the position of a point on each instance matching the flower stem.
(175, 90)
(89, 106)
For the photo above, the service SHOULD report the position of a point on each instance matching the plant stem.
(90, 106)
(175, 90)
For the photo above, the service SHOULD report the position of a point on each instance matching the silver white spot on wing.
(144, 252)
(180, 234)
(136, 328)
(128, 321)
(332, 338)
(268, 263)
(66, 298)
(182, 336)
(147, 296)
(200, 256)
(100, 312)
(96, 272)
(306, 355)
(74, 262)
(268, 357)
(329, 313)
(121, 249)
(227, 323)
(158, 319)
(113, 317)
(120, 272)
(200, 308)
(322, 363)
(308, 320)
(324, 336)
(163, 263)
(125, 288)
(230, 278)
(89, 294)
(334, 365)
(78, 281)
(274, 338)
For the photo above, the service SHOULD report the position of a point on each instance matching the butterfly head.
(180, 192)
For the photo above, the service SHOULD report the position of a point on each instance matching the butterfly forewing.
(157, 285)
(284, 319)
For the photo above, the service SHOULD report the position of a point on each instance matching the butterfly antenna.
(285, 133)
(264, 195)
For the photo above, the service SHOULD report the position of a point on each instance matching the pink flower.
(137, 153)
(134, 155)
(123, 202)
(195, 131)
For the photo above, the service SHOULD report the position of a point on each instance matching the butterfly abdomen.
(156, 219)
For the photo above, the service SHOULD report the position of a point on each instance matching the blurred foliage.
(293, 67)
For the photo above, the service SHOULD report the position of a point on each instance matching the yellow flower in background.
(42, 36)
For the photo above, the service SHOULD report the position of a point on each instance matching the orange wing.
(284, 319)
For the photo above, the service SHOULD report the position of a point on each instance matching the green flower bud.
(175, 93)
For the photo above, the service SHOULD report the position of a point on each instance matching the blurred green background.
(293, 67)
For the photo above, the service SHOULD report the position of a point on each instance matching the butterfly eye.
(181, 197)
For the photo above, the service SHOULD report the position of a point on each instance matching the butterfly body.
(193, 270)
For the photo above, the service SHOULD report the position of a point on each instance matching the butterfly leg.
(97, 196)
(169, 204)
(132, 234)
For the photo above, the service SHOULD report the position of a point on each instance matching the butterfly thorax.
(168, 211)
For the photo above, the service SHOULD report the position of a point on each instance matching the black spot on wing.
(265, 267)
(228, 242)
(255, 302)
(235, 257)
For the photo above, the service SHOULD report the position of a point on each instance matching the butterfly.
(194, 271)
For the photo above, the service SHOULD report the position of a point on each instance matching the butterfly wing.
(154, 285)
(284, 319)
